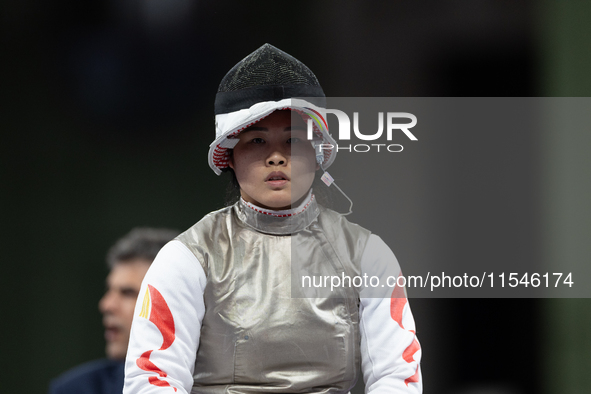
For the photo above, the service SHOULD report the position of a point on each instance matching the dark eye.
(130, 293)
(258, 140)
(293, 140)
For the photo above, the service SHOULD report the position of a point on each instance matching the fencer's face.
(274, 162)
(118, 303)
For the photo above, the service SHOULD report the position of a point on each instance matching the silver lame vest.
(256, 336)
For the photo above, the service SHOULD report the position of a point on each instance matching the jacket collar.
(278, 222)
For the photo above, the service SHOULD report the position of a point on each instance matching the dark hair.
(139, 243)
(233, 187)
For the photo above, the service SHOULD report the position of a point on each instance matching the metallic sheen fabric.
(258, 334)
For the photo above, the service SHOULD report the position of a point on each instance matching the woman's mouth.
(276, 179)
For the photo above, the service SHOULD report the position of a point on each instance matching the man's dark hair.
(139, 243)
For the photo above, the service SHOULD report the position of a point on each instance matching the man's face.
(118, 303)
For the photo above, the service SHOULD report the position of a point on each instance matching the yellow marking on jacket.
(145, 304)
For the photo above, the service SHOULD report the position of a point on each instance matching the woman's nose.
(276, 158)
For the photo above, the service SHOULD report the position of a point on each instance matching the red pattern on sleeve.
(397, 303)
(414, 378)
(161, 316)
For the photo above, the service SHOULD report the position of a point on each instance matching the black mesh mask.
(267, 74)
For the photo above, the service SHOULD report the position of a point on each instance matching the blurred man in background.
(128, 261)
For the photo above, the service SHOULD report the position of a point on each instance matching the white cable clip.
(327, 179)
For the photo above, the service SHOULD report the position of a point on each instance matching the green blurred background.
(107, 114)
